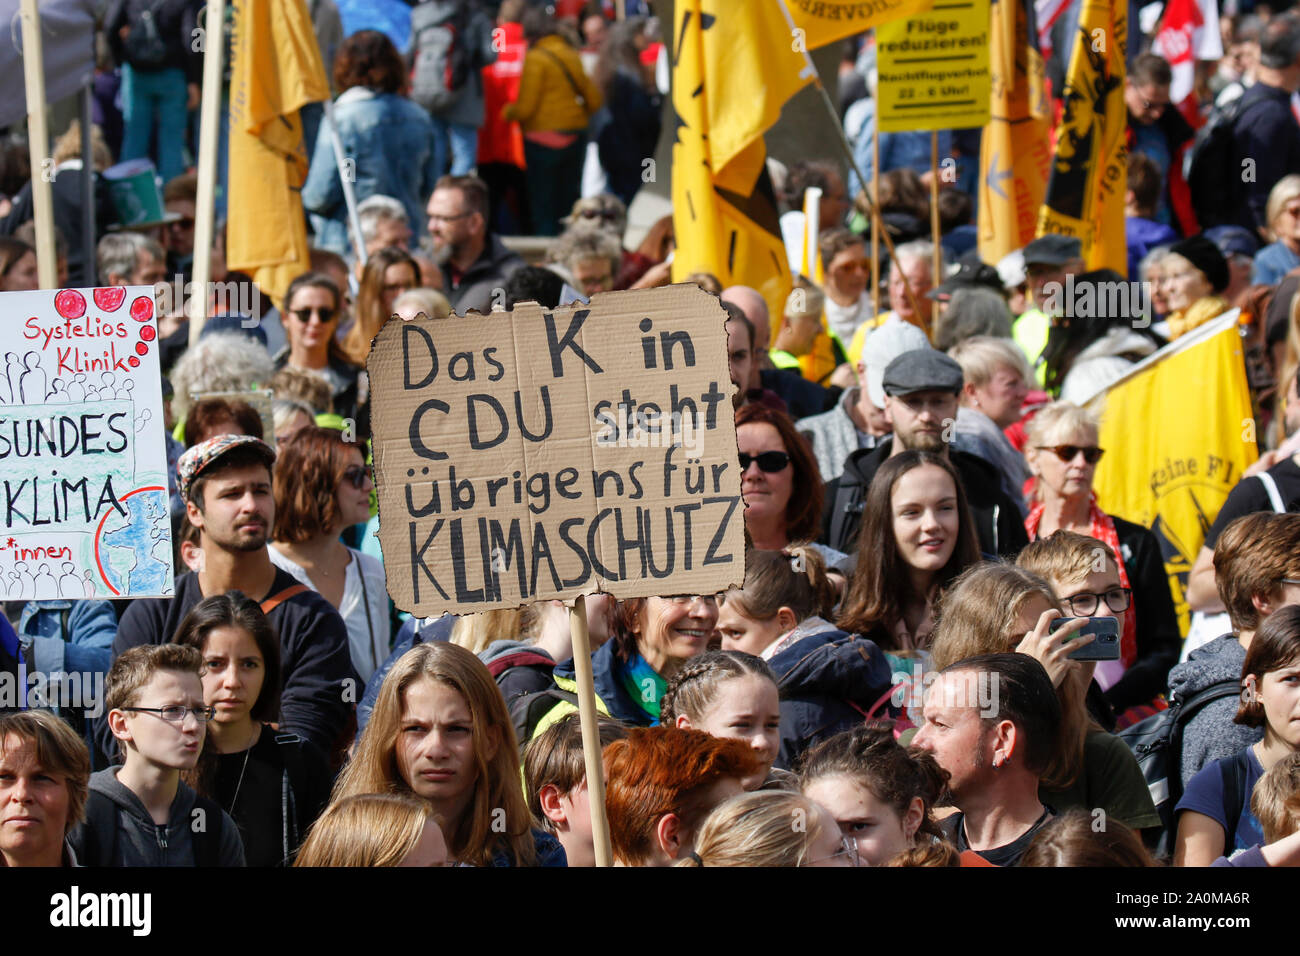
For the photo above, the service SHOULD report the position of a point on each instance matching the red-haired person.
(322, 485)
(661, 784)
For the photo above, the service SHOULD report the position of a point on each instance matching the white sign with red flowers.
(83, 456)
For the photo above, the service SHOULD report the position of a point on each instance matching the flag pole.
(205, 210)
(936, 266)
(587, 716)
(38, 144)
(843, 143)
(875, 222)
(349, 194)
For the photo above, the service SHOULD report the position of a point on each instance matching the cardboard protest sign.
(933, 69)
(83, 460)
(545, 454)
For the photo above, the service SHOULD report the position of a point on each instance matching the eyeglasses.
(1085, 604)
(357, 475)
(1288, 581)
(186, 222)
(434, 217)
(175, 713)
(1091, 453)
(609, 215)
(680, 599)
(848, 848)
(304, 315)
(769, 461)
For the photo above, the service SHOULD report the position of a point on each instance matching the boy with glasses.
(141, 814)
(1085, 575)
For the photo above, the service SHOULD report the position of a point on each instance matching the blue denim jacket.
(83, 644)
(390, 140)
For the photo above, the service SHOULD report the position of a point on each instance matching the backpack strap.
(1233, 772)
(275, 600)
(1274, 496)
(1186, 711)
(577, 92)
(289, 747)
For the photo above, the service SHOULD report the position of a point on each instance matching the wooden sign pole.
(38, 144)
(590, 731)
(205, 201)
(937, 266)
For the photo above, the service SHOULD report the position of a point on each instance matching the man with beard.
(226, 484)
(921, 389)
(991, 722)
(474, 262)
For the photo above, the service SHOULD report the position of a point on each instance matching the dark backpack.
(1211, 174)
(440, 61)
(527, 710)
(1157, 743)
(144, 45)
(99, 831)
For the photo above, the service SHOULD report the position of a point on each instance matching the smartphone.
(1105, 647)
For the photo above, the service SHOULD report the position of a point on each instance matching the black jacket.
(176, 19)
(477, 284)
(1267, 134)
(802, 397)
(1158, 639)
(315, 661)
(997, 519)
(829, 682)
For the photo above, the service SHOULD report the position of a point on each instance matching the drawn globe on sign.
(132, 551)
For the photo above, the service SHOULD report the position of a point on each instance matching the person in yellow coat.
(556, 101)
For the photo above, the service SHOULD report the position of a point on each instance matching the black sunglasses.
(768, 461)
(1091, 454)
(304, 315)
(357, 475)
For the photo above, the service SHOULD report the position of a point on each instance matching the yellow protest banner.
(1085, 195)
(933, 69)
(1178, 432)
(724, 209)
(1014, 151)
(275, 70)
(824, 21)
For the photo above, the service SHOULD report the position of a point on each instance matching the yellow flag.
(275, 70)
(1014, 152)
(1178, 432)
(749, 67)
(1085, 196)
(724, 210)
(825, 21)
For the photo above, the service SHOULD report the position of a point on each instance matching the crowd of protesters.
(890, 685)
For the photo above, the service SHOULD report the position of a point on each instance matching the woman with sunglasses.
(1062, 451)
(321, 486)
(780, 482)
(311, 317)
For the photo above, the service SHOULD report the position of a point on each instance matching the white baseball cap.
(882, 346)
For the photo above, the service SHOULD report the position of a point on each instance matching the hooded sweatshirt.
(141, 842)
(1211, 734)
(829, 682)
(997, 517)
